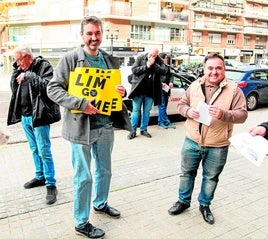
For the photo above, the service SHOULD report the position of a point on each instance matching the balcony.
(265, 2)
(217, 26)
(255, 30)
(256, 14)
(208, 7)
(174, 16)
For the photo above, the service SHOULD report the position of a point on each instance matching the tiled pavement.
(144, 185)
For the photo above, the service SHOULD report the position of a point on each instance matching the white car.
(180, 85)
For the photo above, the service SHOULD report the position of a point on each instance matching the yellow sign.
(88, 82)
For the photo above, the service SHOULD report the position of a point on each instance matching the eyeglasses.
(20, 60)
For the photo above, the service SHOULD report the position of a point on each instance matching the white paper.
(253, 148)
(165, 87)
(204, 117)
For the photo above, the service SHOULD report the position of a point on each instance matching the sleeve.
(238, 111)
(57, 88)
(265, 125)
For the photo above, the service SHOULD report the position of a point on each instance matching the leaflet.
(204, 117)
(253, 148)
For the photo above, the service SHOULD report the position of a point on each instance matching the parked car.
(234, 64)
(254, 84)
(180, 85)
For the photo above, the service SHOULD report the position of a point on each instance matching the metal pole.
(112, 43)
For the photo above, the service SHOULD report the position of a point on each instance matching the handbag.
(45, 111)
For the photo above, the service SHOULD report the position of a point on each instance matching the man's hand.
(20, 78)
(192, 113)
(257, 130)
(91, 109)
(150, 61)
(121, 90)
(215, 111)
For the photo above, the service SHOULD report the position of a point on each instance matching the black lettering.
(89, 81)
(105, 107)
(99, 83)
(85, 91)
(114, 102)
(77, 82)
(98, 104)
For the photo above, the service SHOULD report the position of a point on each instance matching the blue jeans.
(39, 142)
(146, 104)
(213, 161)
(101, 145)
(162, 110)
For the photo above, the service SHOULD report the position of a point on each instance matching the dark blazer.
(140, 70)
(37, 76)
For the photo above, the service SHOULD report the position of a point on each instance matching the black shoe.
(35, 183)
(177, 208)
(112, 212)
(131, 135)
(51, 195)
(146, 134)
(207, 214)
(89, 231)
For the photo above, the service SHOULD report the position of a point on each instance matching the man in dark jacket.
(30, 76)
(146, 89)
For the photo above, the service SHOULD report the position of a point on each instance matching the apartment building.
(238, 29)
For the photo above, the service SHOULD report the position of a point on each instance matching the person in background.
(167, 85)
(207, 144)
(261, 130)
(146, 90)
(31, 76)
(90, 133)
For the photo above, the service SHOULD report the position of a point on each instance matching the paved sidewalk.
(144, 186)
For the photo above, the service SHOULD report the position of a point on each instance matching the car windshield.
(233, 63)
(234, 75)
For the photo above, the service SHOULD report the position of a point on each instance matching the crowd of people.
(92, 135)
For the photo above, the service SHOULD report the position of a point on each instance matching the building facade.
(238, 29)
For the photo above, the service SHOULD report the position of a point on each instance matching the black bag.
(45, 111)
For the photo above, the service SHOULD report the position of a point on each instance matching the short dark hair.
(213, 55)
(163, 55)
(92, 20)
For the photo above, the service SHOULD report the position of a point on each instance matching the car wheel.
(252, 102)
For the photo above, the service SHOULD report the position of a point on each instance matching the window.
(230, 39)
(162, 33)
(214, 38)
(197, 36)
(169, 34)
(141, 32)
(246, 41)
(261, 40)
(261, 75)
(177, 34)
